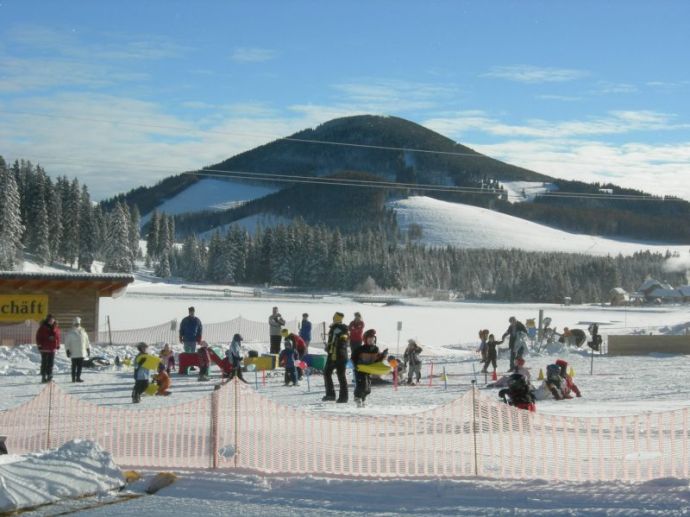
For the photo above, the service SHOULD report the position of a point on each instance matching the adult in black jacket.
(337, 349)
(514, 329)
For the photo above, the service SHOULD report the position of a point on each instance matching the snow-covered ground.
(465, 226)
(446, 330)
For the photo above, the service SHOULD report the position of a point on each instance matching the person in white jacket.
(78, 347)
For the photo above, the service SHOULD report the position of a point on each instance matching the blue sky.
(124, 93)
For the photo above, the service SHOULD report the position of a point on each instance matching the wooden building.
(26, 299)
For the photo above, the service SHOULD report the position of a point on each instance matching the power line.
(278, 177)
(352, 182)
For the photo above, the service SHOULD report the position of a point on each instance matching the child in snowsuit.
(412, 361)
(234, 357)
(568, 385)
(204, 361)
(167, 358)
(366, 354)
(163, 380)
(288, 358)
(482, 348)
(491, 353)
(141, 374)
(297, 344)
(518, 393)
(554, 382)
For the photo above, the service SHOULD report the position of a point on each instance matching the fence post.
(236, 388)
(474, 424)
(110, 333)
(214, 425)
(50, 408)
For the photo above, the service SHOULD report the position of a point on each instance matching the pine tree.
(71, 204)
(38, 239)
(163, 268)
(88, 235)
(134, 234)
(152, 243)
(11, 227)
(118, 258)
(55, 225)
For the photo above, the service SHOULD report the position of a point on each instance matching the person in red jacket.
(48, 342)
(570, 385)
(356, 331)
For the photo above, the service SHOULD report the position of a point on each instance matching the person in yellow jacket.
(77, 346)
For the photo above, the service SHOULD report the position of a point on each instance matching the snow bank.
(79, 468)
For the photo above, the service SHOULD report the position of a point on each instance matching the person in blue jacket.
(305, 329)
(190, 331)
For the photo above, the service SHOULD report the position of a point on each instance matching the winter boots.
(328, 398)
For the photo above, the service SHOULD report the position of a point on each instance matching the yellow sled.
(379, 368)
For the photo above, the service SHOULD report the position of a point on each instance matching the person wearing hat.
(275, 324)
(234, 355)
(48, 342)
(141, 375)
(367, 353)
(77, 347)
(569, 385)
(512, 333)
(356, 331)
(190, 331)
(413, 362)
(305, 329)
(337, 348)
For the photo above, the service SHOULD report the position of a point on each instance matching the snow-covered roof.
(661, 292)
(105, 284)
(648, 284)
(66, 275)
(619, 290)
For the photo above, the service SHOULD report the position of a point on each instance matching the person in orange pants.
(163, 380)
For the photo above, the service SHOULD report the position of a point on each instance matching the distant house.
(619, 296)
(659, 292)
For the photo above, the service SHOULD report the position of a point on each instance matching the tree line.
(321, 258)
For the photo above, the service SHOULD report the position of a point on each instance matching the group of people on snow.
(516, 386)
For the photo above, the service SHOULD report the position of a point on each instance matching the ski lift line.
(288, 178)
(343, 183)
(259, 176)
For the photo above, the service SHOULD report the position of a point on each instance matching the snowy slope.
(212, 194)
(521, 191)
(466, 226)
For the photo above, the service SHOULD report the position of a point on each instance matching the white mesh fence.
(18, 333)
(235, 427)
(222, 332)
